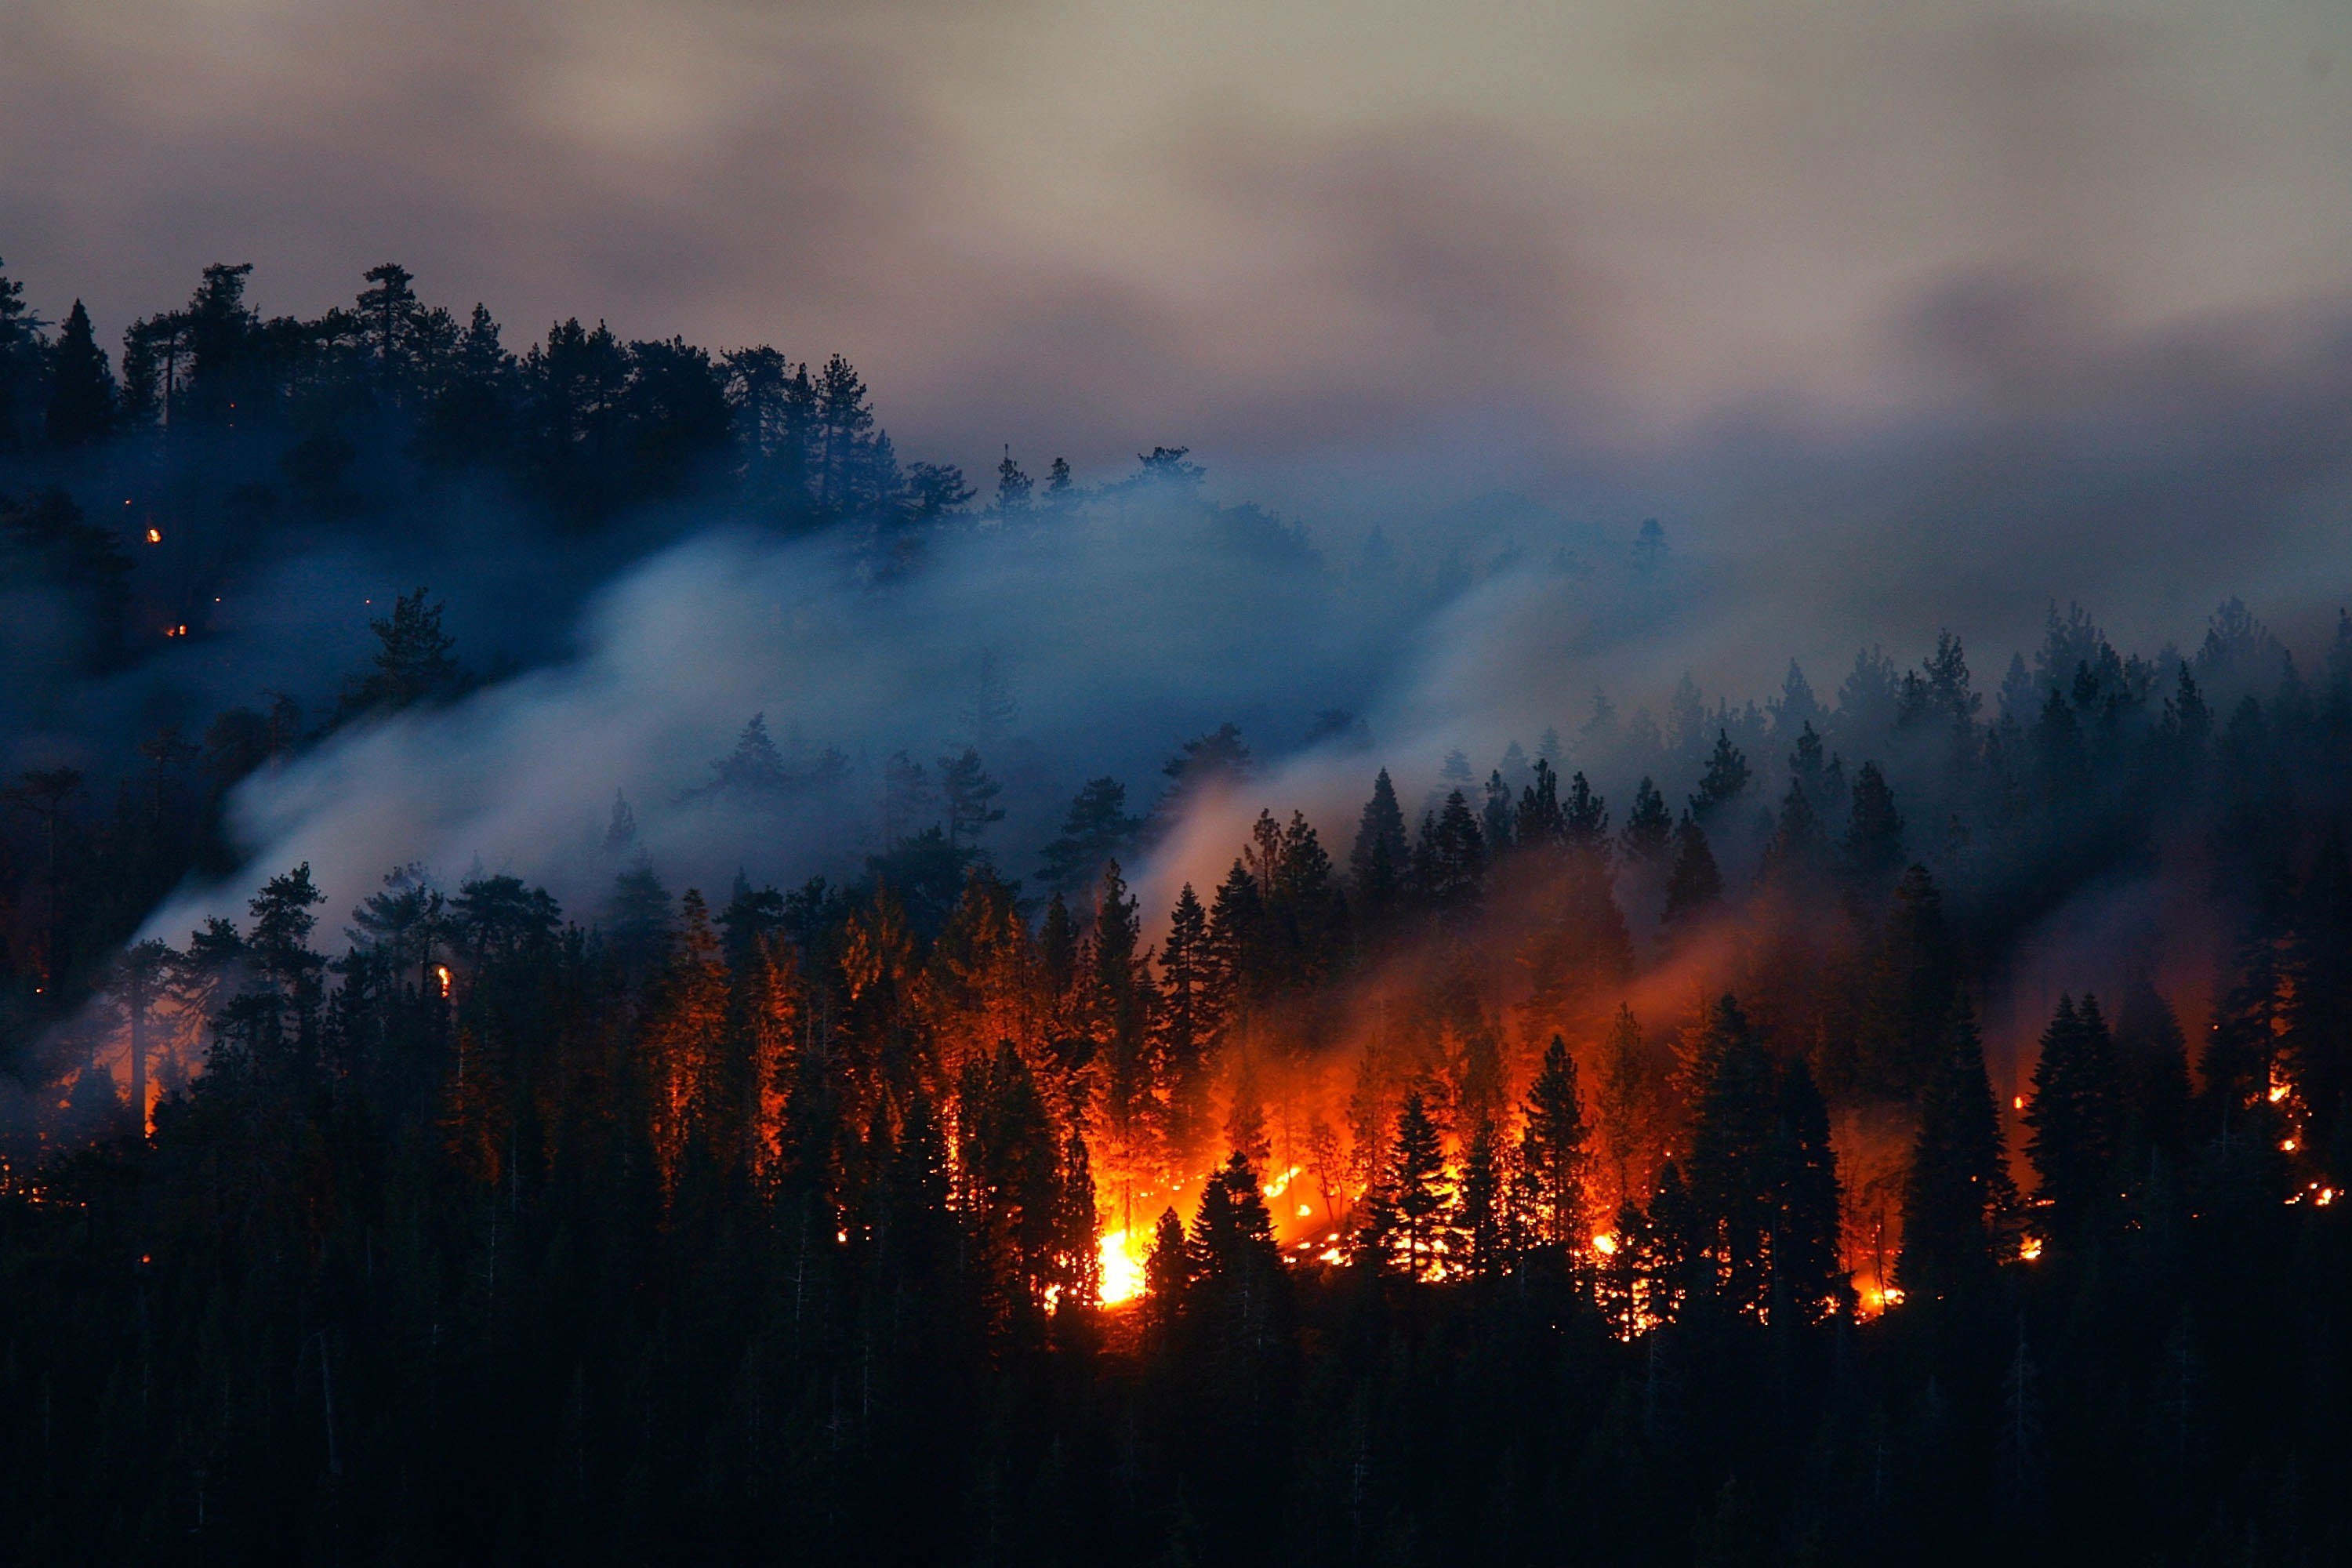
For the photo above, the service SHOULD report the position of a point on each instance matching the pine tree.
(1624, 1102)
(1485, 1218)
(1809, 1282)
(1553, 1152)
(1185, 1025)
(1874, 833)
(971, 795)
(1013, 488)
(1724, 781)
(1649, 835)
(1120, 1019)
(1205, 761)
(1694, 886)
(1795, 855)
(844, 436)
(682, 1043)
(1959, 1207)
(140, 977)
(1539, 820)
(412, 662)
(2075, 1114)
(1074, 1272)
(1381, 859)
(1411, 1219)
(21, 353)
(1096, 830)
(388, 314)
(1235, 970)
(637, 921)
(2152, 1055)
(1907, 995)
(1734, 1105)
(1449, 860)
(1497, 815)
(81, 406)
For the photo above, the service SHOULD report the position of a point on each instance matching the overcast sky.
(1273, 231)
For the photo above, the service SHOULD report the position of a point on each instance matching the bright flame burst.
(1122, 1267)
(441, 973)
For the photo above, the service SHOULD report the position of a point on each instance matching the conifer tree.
(1449, 860)
(1096, 830)
(1649, 835)
(1411, 1218)
(1809, 1282)
(1959, 1207)
(141, 977)
(1496, 817)
(1185, 1026)
(20, 360)
(1485, 1219)
(1235, 971)
(1584, 820)
(1539, 820)
(971, 795)
(2075, 1114)
(81, 405)
(2152, 1056)
(1553, 1152)
(412, 662)
(1906, 995)
(1794, 855)
(1075, 1269)
(1694, 886)
(1734, 1105)
(683, 1040)
(1381, 859)
(1013, 488)
(1724, 781)
(1119, 1018)
(1874, 832)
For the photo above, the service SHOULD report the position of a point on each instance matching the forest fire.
(1123, 1254)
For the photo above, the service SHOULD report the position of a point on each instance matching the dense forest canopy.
(1902, 1121)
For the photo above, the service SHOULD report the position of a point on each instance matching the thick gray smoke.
(2147, 481)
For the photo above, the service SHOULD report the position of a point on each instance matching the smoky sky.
(1900, 316)
(1433, 241)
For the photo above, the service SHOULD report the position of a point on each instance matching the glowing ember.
(154, 536)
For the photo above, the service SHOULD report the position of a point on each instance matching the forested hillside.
(1905, 1127)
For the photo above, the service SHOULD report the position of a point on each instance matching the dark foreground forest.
(1907, 1128)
